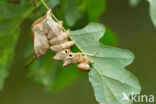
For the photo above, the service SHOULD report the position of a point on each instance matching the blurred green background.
(133, 29)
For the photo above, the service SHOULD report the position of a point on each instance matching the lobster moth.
(47, 34)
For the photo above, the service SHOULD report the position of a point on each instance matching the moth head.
(66, 51)
(70, 56)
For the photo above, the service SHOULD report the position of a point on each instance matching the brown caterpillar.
(48, 34)
(73, 58)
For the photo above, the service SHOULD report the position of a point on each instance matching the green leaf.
(26, 2)
(11, 17)
(8, 10)
(75, 9)
(35, 2)
(134, 3)
(95, 8)
(72, 13)
(6, 54)
(153, 11)
(51, 74)
(108, 75)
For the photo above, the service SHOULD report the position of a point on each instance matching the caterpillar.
(48, 34)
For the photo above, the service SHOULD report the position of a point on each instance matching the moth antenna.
(29, 63)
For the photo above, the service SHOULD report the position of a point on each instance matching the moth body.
(61, 54)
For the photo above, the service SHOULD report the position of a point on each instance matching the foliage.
(153, 11)
(152, 8)
(6, 54)
(109, 38)
(108, 75)
(75, 9)
(108, 70)
(51, 74)
(10, 19)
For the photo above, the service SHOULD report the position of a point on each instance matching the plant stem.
(51, 13)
